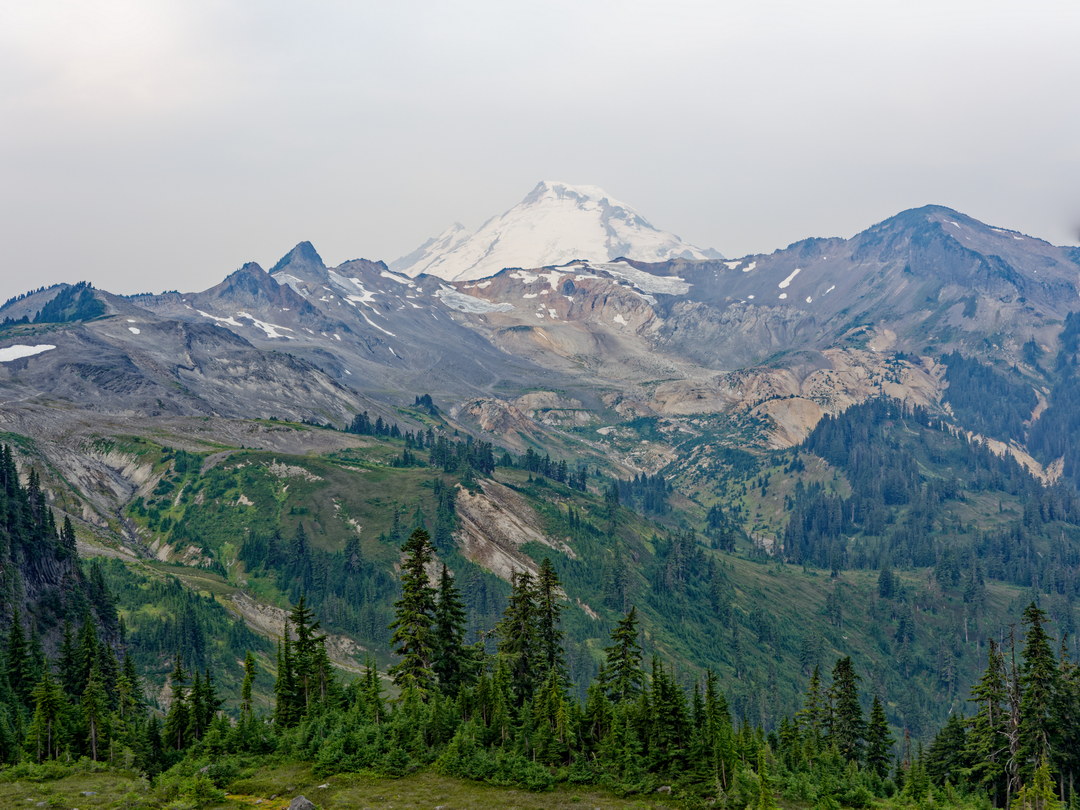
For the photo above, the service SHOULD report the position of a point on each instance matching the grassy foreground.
(273, 787)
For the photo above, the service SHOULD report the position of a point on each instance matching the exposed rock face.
(495, 523)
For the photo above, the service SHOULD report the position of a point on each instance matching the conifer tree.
(47, 735)
(178, 719)
(95, 713)
(247, 706)
(623, 675)
(947, 760)
(846, 727)
(518, 643)
(1038, 688)
(813, 718)
(19, 664)
(988, 732)
(879, 741)
(310, 666)
(450, 659)
(668, 723)
(128, 697)
(1039, 794)
(68, 663)
(285, 712)
(414, 612)
(549, 614)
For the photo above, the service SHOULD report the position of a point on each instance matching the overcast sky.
(157, 145)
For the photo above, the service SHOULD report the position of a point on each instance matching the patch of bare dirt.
(495, 523)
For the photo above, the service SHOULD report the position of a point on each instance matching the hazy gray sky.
(158, 145)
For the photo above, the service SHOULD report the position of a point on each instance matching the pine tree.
(623, 675)
(879, 741)
(19, 664)
(518, 643)
(549, 613)
(946, 760)
(1040, 793)
(95, 713)
(1038, 688)
(414, 611)
(717, 732)
(813, 718)
(47, 735)
(69, 664)
(178, 719)
(247, 706)
(450, 660)
(668, 722)
(988, 734)
(846, 727)
(310, 665)
(285, 693)
(128, 697)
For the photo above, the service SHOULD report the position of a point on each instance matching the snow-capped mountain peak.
(555, 223)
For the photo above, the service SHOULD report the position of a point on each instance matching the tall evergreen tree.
(451, 662)
(623, 677)
(549, 615)
(813, 718)
(988, 728)
(247, 704)
(879, 742)
(414, 611)
(95, 713)
(48, 731)
(518, 642)
(1038, 689)
(846, 727)
(20, 666)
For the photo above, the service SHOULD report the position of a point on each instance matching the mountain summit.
(554, 224)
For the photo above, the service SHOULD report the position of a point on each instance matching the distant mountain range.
(777, 339)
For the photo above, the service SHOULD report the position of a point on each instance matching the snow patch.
(783, 296)
(291, 281)
(619, 319)
(645, 282)
(809, 299)
(831, 288)
(784, 284)
(395, 277)
(749, 267)
(463, 302)
(20, 350)
(271, 329)
(229, 321)
(133, 330)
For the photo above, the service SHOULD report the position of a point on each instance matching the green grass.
(425, 789)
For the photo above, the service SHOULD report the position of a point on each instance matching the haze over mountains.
(588, 340)
(710, 376)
